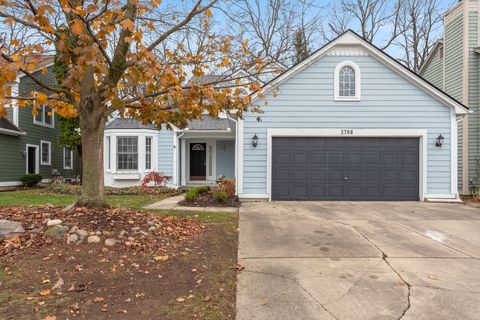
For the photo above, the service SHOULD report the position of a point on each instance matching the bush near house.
(157, 178)
(220, 196)
(31, 179)
(227, 185)
(193, 193)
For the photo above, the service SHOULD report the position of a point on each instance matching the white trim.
(239, 177)
(183, 180)
(71, 159)
(254, 196)
(176, 140)
(440, 196)
(453, 153)
(336, 81)
(350, 38)
(130, 132)
(12, 132)
(10, 183)
(337, 132)
(43, 124)
(49, 162)
(186, 159)
(37, 157)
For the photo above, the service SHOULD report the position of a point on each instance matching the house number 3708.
(347, 132)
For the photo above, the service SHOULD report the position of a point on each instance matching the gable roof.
(6, 127)
(349, 37)
(431, 54)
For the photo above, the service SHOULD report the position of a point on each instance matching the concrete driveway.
(359, 260)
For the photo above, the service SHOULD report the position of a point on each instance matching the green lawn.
(40, 197)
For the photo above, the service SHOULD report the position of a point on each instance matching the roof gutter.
(12, 132)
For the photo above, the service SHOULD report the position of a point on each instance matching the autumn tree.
(122, 57)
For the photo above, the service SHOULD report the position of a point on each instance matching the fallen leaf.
(46, 281)
(50, 318)
(58, 284)
(180, 299)
(45, 292)
(161, 258)
(98, 299)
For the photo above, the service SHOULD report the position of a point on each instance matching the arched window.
(347, 81)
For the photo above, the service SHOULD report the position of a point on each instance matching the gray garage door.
(345, 169)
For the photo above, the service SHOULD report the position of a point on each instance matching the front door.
(32, 160)
(198, 161)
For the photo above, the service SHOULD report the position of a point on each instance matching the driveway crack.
(298, 284)
(384, 258)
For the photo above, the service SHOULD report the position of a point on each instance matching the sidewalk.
(172, 204)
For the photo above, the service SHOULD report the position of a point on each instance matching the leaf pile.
(130, 227)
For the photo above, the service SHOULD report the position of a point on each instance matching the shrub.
(227, 185)
(66, 188)
(220, 196)
(158, 179)
(31, 179)
(193, 193)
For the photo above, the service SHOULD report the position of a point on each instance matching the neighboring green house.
(28, 143)
(453, 66)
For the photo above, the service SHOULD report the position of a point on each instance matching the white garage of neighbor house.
(348, 123)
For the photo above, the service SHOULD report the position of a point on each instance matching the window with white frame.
(44, 116)
(67, 158)
(127, 153)
(148, 153)
(347, 81)
(45, 152)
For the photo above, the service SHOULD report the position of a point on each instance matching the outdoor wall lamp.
(439, 141)
(24, 152)
(255, 140)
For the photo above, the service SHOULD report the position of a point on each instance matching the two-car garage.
(345, 168)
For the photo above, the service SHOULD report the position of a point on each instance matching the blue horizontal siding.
(306, 100)
(165, 151)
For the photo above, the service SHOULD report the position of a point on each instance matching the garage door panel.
(375, 168)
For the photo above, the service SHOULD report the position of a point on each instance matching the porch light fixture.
(255, 140)
(440, 139)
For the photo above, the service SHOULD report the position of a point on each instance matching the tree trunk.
(92, 127)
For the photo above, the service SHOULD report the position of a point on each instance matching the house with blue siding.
(347, 123)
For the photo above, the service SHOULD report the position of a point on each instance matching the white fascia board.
(12, 132)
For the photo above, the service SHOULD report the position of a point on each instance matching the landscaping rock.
(152, 228)
(72, 238)
(93, 239)
(98, 233)
(9, 228)
(73, 229)
(135, 228)
(122, 233)
(54, 222)
(151, 223)
(82, 233)
(110, 242)
(56, 231)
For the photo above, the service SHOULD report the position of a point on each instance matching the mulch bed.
(206, 200)
(180, 270)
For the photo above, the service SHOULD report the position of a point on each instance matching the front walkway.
(358, 260)
(172, 204)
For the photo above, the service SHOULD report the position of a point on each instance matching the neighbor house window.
(148, 153)
(347, 81)
(127, 153)
(67, 158)
(44, 116)
(46, 152)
